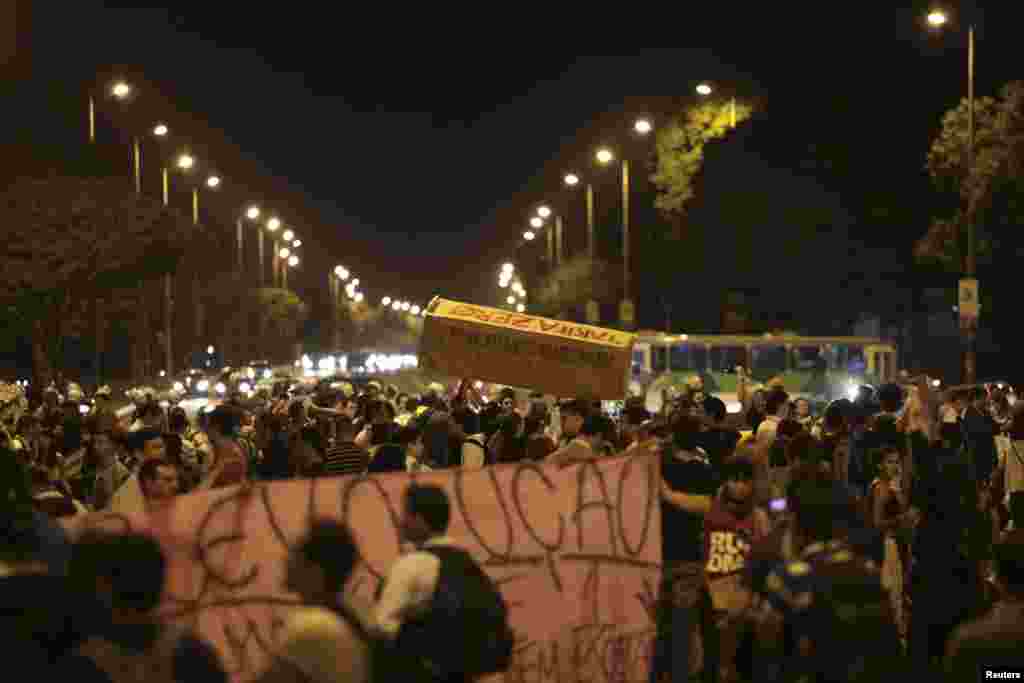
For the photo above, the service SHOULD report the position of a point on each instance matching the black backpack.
(464, 633)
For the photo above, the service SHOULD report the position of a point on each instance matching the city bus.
(820, 368)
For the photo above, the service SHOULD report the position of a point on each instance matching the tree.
(575, 282)
(251, 322)
(991, 187)
(71, 239)
(680, 149)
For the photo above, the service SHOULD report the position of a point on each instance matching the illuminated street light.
(288, 235)
(359, 297)
(572, 180)
(544, 212)
(406, 305)
(213, 182)
(508, 268)
(704, 89)
(520, 308)
(386, 301)
(297, 243)
(415, 310)
(605, 156)
(397, 306)
(503, 284)
(355, 283)
(121, 90)
(253, 213)
(294, 261)
(285, 253)
(273, 224)
(643, 126)
(186, 161)
(341, 272)
(529, 235)
(537, 222)
(511, 300)
(937, 18)
(160, 130)
(209, 350)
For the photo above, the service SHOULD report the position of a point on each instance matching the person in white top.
(436, 565)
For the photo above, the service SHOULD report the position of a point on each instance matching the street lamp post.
(559, 254)
(273, 224)
(605, 156)
(970, 308)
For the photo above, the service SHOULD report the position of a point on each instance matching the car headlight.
(202, 385)
(178, 386)
(220, 388)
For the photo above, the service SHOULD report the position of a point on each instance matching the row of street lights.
(604, 156)
(285, 247)
(342, 274)
(507, 280)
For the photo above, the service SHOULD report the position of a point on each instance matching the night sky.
(420, 146)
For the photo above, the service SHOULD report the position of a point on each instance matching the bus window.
(640, 360)
(679, 357)
(856, 361)
(808, 358)
(769, 360)
(726, 358)
(659, 354)
(688, 357)
(699, 353)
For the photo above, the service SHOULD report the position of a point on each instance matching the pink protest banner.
(576, 552)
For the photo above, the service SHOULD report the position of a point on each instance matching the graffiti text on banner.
(576, 552)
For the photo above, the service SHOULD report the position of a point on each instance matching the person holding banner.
(328, 640)
(438, 607)
(732, 525)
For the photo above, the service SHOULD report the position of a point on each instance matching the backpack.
(464, 632)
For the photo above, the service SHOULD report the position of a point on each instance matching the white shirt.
(409, 587)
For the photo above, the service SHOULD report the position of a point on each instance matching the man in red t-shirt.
(732, 525)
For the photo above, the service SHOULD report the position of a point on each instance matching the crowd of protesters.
(878, 538)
